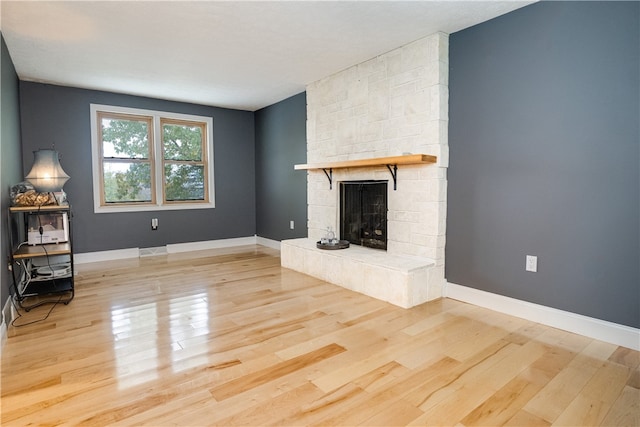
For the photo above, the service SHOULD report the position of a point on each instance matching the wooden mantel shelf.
(409, 159)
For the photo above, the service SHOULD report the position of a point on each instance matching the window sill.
(151, 208)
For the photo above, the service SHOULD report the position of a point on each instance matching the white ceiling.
(233, 54)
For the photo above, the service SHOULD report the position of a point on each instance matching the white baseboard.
(3, 335)
(274, 244)
(7, 318)
(210, 244)
(106, 255)
(130, 253)
(602, 330)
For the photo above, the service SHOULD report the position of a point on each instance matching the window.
(150, 160)
(126, 158)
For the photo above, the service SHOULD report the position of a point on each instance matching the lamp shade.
(46, 173)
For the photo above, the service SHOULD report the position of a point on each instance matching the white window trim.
(159, 205)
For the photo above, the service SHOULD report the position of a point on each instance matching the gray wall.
(10, 156)
(281, 192)
(60, 115)
(544, 147)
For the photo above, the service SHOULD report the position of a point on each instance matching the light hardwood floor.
(228, 337)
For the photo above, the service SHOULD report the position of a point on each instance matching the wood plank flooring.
(228, 337)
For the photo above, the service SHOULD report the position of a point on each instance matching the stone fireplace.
(390, 107)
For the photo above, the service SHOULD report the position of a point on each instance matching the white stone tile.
(439, 95)
(435, 96)
(390, 131)
(417, 103)
(394, 125)
(347, 131)
(359, 111)
(381, 283)
(372, 66)
(370, 146)
(401, 231)
(379, 88)
(347, 113)
(354, 276)
(322, 216)
(430, 132)
(377, 77)
(443, 48)
(404, 89)
(313, 264)
(322, 197)
(335, 268)
(418, 288)
(434, 189)
(399, 248)
(358, 92)
(378, 106)
(404, 216)
(397, 106)
(414, 186)
(418, 118)
(436, 276)
(442, 190)
(443, 158)
(383, 174)
(411, 75)
(292, 256)
(393, 60)
(416, 54)
(403, 145)
(443, 69)
(432, 76)
(370, 132)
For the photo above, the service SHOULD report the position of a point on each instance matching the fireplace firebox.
(363, 213)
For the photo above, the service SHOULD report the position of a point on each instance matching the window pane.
(184, 182)
(123, 138)
(127, 182)
(182, 142)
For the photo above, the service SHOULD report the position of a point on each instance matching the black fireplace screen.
(363, 213)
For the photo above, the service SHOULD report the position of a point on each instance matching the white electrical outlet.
(291, 225)
(154, 223)
(532, 263)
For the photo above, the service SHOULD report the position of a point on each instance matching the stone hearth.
(394, 104)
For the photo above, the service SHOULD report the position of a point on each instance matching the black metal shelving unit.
(35, 280)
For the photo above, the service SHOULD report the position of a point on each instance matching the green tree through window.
(138, 169)
(184, 167)
(127, 158)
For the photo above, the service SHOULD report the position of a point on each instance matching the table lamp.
(46, 174)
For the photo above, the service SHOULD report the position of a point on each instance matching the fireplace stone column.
(393, 104)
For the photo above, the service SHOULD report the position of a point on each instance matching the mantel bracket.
(394, 174)
(329, 177)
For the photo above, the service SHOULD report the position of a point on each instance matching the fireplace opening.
(363, 213)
